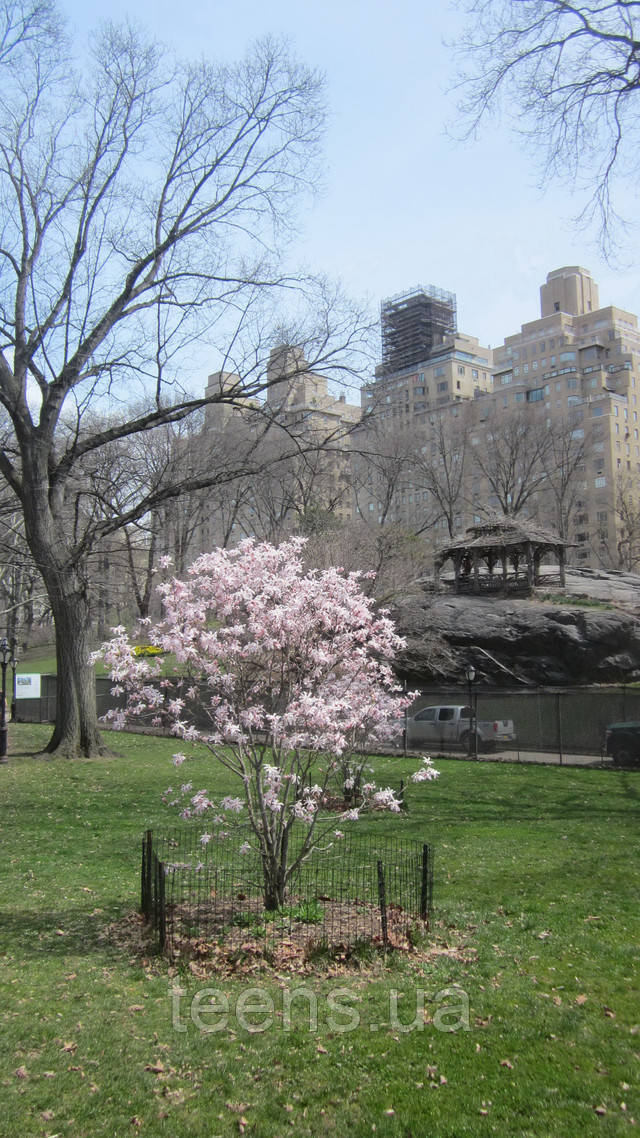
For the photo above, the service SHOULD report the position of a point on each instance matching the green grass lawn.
(537, 880)
(43, 659)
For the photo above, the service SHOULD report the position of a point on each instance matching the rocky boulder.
(526, 641)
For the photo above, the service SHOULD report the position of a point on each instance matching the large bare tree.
(566, 73)
(514, 461)
(563, 461)
(442, 470)
(144, 202)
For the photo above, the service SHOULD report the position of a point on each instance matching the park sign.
(28, 685)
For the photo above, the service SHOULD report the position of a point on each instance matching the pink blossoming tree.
(290, 671)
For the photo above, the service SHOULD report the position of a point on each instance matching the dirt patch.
(302, 949)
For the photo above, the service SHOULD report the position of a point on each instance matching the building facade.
(545, 426)
(294, 445)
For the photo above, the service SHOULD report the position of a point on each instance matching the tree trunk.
(76, 732)
(274, 884)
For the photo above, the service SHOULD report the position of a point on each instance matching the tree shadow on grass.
(586, 803)
(29, 934)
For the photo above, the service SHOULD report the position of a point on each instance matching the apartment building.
(298, 440)
(545, 426)
(426, 364)
(580, 364)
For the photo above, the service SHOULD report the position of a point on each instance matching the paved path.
(567, 760)
(551, 758)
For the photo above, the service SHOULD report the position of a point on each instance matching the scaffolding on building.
(414, 324)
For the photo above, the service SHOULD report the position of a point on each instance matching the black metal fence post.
(161, 922)
(146, 879)
(383, 904)
(425, 890)
(560, 739)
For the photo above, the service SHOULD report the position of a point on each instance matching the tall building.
(545, 426)
(426, 363)
(413, 323)
(297, 438)
(580, 363)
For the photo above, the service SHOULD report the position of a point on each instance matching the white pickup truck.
(450, 724)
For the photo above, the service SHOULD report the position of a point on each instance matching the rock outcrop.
(528, 641)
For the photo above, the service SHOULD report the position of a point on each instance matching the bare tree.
(383, 470)
(628, 525)
(563, 461)
(388, 503)
(143, 203)
(568, 75)
(22, 597)
(514, 461)
(442, 466)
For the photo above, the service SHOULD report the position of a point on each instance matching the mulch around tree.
(301, 948)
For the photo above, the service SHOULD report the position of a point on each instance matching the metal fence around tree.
(349, 890)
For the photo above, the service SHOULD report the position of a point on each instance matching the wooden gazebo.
(481, 559)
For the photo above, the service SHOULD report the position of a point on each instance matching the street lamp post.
(5, 656)
(14, 665)
(472, 741)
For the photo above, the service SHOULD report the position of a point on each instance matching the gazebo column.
(476, 571)
(457, 564)
(562, 554)
(437, 566)
(505, 567)
(537, 558)
(531, 573)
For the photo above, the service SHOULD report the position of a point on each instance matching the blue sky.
(402, 204)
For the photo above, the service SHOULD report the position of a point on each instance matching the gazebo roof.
(502, 533)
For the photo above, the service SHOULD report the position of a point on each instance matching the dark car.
(622, 742)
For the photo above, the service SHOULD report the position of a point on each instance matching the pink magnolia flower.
(289, 670)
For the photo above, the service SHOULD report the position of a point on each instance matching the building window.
(600, 482)
(460, 369)
(536, 395)
(474, 373)
(443, 386)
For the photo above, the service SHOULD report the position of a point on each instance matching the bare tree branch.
(566, 75)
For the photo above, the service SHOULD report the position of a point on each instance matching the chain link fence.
(552, 725)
